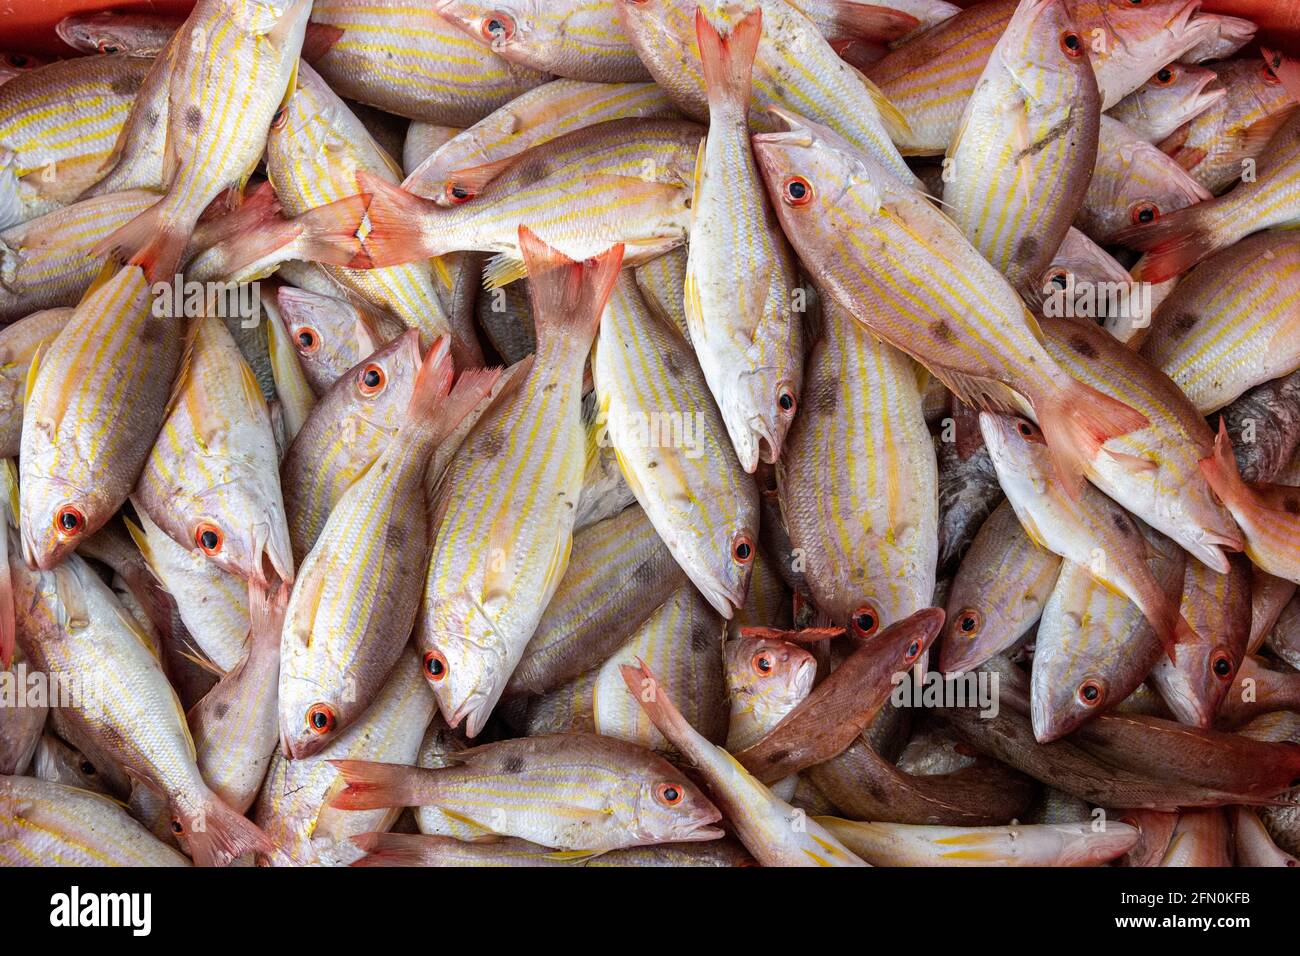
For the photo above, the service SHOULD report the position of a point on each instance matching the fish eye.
(1091, 693)
(1028, 431)
(785, 399)
(106, 46)
(763, 663)
(498, 26)
(1222, 665)
(209, 538)
(1267, 74)
(69, 521)
(1059, 278)
(177, 827)
(372, 379)
(457, 194)
(435, 666)
(865, 621)
(796, 191)
(280, 117)
(669, 794)
(1165, 76)
(308, 339)
(18, 60)
(742, 549)
(320, 719)
(969, 621)
(87, 768)
(913, 652)
(1143, 213)
(1071, 44)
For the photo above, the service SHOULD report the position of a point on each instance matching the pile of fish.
(651, 433)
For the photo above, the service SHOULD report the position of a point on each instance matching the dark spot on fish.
(489, 444)
(1083, 347)
(152, 332)
(700, 640)
(942, 331)
(513, 764)
(823, 397)
(220, 712)
(550, 386)
(652, 464)
(673, 366)
(1026, 249)
(1183, 324)
(127, 85)
(1292, 505)
(530, 171)
(777, 756)
(1121, 523)
(394, 536)
(193, 119)
(644, 575)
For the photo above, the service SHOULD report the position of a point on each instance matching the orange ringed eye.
(209, 538)
(1090, 693)
(69, 521)
(669, 794)
(1143, 213)
(372, 379)
(435, 666)
(320, 718)
(865, 621)
(743, 549)
(1071, 44)
(796, 191)
(763, 663)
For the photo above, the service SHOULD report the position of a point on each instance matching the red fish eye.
(1268, 75)
(1058, 278)
(796, 191)
(372, 380)
(763, 663)
(785, 400)
(320, 719)
(865, 621)
(456, 193)
(670, 794)
(69, 521)
(742, 549)
(1143, 213)
(969, 621)
(308, 339)
(209, 538)
(1221, 665)
(1028, 430)
(913, 652)
(498, 26)
(177, 827)
(106, 46)
(435, 666)
(1071, 44)
(1091, 693)
(280, 117)
(1165, 77)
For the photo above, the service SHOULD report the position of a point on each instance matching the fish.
(405, 849)
(579, 794)
(1002, 586)
(15, 64)
(212, 478)
(72, 625)
(1258, 687)
(60, 762)
(1201, 838)
(20, 342)
(859, 485)
(974, 333)
(1091, 530)
(1214, 348)
(43, 823)
(1265, 425)
(1252, 844)
(112, 364)
(901, 844)
(343, 632)
(252, 43)
(1019, 167)
(330, 335)
(1176, 94)
(575, 39)
(117, 31)
(968, 486)
(1230, 34)
(673, 448)
(761, 819)
(21, 721)
(393, 55)
(620, 573)
(527, 453)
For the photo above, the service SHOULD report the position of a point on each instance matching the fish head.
(1043, 49)
(107, 32)
(311, 717)
(1197, 682)
(1019, 453)
(379, 387)
(774, 672)
(671, 809)
(329, 334)
(464, 664)
(239, 524)
(1180, 91)
(56, 516)
(1127, 41)
(758, 406)
(722, 568)
(14, 64)
(977, 626)
(1065, 692)
(507, 27)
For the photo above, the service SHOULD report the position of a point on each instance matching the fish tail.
(155, 240)
(371, 786)
(1220, 469)
(568, 297)
(868, 21)
(472, 388)
(1076, 421)
(729, 61)
(319, 40)
(397, 849)
(218, 834)
(266, 607)
(327, 233)
(396, 219)
(432, 382)
(654, 700)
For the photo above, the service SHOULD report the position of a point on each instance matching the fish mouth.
(1202, 99)
(475, 711)
(797, 131)
(1051, 723)
(702, 833)
(721, 598)
(1184, 15)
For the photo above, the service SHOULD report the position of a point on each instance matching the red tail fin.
(400, 849)
(1220, 469)
(663, 713)
(329, 233)
(729, 62)
(218, 835)
(266, 609)
(1076, 421)
(568, 297)
(371, 786)
(152, 240)
(432, 382)
(397, 219)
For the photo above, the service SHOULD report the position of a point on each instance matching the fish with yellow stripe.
(58, 125)
(740, 273)
(763, 822)
(1023, 155)
(96, 399)
(20, 342)
(506, 505)
(314, 151)
(359, 588)
(225, 86)
(673, 449)
(73, 628)
(212, 480)
(402, 57)
(905, 271)
(1173, 98)
(581, 794)
(330, 335)
(766, 679)
(859, 482)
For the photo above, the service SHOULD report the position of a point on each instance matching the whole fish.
(330, 334)
(525, 456)
(673, 449)
(577, 39)
(20, 342)
(1210, 342)
(858, 483)
(394, 55)
(51, 824)
(1000, 590)
(343, 633)
(96, 400)
(117, 31)
(580, 794)
(762, 820)
(72, 625)
(248, 43)
(1020, 164)
(529, 120)
(1175, 95)
(58, 124)
(901, 844)
(212, 479)
(861, 233)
